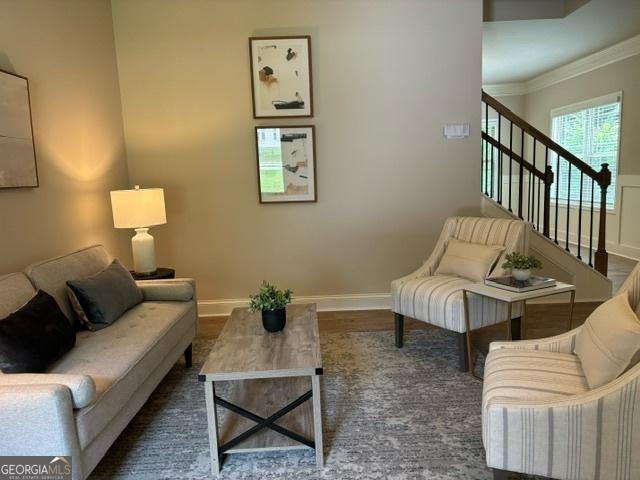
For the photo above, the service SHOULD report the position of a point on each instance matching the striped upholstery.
(539, 418)
(632, 285)
(437, 299)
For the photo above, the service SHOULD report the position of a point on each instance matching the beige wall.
(387, 76)
(66, 49)
(620, 76)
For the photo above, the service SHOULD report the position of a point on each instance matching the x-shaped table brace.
(264, 422)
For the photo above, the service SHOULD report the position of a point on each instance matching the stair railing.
(519, 172)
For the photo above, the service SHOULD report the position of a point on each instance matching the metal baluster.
(499, 161)
(520, 178)
(510, 162)
(532, 186)
(557, 176)
(593, 182)
(580, 217)
(486, 158)
(566, 247)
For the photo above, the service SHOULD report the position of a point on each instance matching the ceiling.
(516, 51)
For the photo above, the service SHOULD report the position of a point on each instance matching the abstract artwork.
(281, 76)
(286, 164)
(17, 152)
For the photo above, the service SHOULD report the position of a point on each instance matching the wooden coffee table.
(272, 377)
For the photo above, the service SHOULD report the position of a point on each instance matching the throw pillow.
(101, 299)
(609, 341)
(34, 336)
(468, 260)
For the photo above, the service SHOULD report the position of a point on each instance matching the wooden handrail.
(513, 155)
(544, 139)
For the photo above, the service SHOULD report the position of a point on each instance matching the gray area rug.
(388, 414)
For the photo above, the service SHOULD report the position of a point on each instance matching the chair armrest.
(38, 420)
(562, 343)
(81, 387)
(590, 421)
(170, 290)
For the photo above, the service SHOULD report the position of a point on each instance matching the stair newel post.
(601, 256)
(548, 181)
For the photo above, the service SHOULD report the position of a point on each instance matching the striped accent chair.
(437, 299)
(539, 416)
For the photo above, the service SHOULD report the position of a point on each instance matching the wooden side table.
(510, 298)
(160, 274)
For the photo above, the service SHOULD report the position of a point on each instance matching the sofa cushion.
(35, 335)
(609, 342)
(532, 375)
(52, 275)
(472, 261)
(121, 357)
(15, 290)
(82, 387)
(99, 300)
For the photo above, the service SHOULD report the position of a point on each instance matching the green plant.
(520, 261)
(269, 298)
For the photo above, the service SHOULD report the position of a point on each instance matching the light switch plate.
(456, 130)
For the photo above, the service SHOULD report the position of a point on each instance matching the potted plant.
(272, 302)
(521, 265)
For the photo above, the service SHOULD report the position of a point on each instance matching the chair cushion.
(121, 357)
(472, 261)
(531, 375)
(438, 300)
(99, 300)
(52, 275)
(609, 342)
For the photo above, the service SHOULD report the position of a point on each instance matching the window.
(591, 131)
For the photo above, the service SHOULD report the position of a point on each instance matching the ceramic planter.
(522, 275)
(274, 320)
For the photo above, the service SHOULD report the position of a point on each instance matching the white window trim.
(583, 105)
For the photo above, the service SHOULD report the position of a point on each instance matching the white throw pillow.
(609, 342)
(468, 260)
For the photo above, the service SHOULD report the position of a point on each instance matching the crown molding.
(615, 53)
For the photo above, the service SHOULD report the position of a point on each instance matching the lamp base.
(144, 252)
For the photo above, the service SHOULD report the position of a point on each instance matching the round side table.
(160, 273)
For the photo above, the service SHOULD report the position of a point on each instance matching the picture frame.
(18, 166)
(286, 163)
(281, 77)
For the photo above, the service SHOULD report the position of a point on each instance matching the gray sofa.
(85, 399)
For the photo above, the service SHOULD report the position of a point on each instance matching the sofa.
(80, 405)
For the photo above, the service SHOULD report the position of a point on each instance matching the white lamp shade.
(138, 208)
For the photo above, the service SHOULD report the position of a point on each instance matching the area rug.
(388, 414)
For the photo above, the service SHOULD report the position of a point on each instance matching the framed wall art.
(281, 76)
(286, 164)
(17, 150)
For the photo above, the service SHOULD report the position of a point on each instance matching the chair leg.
(463, 360)
(516, 330)
(504, 475)
(188, 356)
(399, 329)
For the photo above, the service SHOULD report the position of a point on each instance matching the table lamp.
(140, 209)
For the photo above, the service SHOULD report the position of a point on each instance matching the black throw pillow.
(34, 336)
(101, 299)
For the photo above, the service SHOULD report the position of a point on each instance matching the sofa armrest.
(563, 343)
(176, 290)
(81, 387)
(38, 420)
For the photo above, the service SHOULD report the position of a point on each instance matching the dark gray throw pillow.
(34, 336)
(101, 299)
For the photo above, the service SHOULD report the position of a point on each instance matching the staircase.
(527, 175)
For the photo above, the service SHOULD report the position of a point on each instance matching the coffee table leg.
(317, 420)
(212, 422)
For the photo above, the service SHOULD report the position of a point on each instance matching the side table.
(160, 274)
(510, 298)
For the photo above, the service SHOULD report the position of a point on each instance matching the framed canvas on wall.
(286, 164)
(17, 150)
(281, 83)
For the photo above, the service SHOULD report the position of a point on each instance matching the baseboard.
(325, 303)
